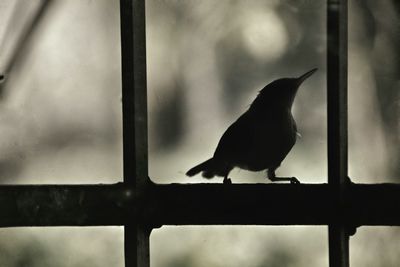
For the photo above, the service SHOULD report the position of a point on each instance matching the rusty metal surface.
(62, 205)
(209, 204)
(337, 128)
(134, 110)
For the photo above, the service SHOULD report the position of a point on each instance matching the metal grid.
(141, 205)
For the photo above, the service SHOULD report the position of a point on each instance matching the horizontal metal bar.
(239, 204)
(63, 205)
(373, 204)
(274, 204)
(210, 204)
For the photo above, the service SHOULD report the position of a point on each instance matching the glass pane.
(62, 247)
(254, 246)
(207, 61)
(374, 75)
(60, 113)
(375, 246)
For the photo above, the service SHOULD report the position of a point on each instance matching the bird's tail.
(205, 167)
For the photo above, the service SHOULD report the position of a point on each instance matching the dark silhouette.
(262, 137)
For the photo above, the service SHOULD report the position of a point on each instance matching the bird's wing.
(255, 142)
(234, 143)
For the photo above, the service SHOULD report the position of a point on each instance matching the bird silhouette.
(261, 137)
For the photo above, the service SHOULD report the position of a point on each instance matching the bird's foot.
(349, 181)
(227, 180)
(293, 180)
(351, 230)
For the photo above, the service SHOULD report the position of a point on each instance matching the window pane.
(233, 246)
(375, 246)
(374, 74)
(62, 247)
(60, 113)
(208, 59)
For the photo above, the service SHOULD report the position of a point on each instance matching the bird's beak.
(303, 77)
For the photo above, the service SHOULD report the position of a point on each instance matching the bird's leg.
(226, 172)
(227, 180)
(273, 178)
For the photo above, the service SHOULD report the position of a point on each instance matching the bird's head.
(281, 92)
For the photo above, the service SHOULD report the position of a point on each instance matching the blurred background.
(60, 117)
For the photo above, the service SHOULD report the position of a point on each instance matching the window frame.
(141, 205)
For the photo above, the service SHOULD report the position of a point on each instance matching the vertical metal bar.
(337, 127)
(137, 247)
(134, 101)
(134, 96)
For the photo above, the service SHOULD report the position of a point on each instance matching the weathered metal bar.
(372, 204)
(240, 204)
(272, 204)
(134, 99)
(337, 93)
(337, 127)
(209, 204)
(62, 205)
(134, 96)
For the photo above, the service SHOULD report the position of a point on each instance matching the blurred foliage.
(375, 36)
(61, 247)
(234, 246)
(60, 109)
(279, 258)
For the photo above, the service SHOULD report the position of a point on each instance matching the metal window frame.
(140, 205)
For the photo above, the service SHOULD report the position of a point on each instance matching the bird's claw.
(294, 180)
(227, 181)
(348, 181)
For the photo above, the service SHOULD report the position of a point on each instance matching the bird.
(261, 137)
